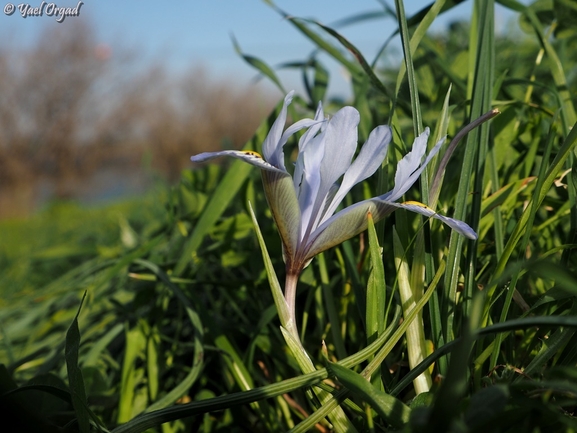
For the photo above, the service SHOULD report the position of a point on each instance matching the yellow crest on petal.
(418, 203)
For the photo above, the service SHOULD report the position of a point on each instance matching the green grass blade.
(258, 64)
(473, 166)
(75, 379)
(413, 89)
(134, 350)
(375, 81)
(275, 287)
(391, 409)
(179, 390)
(376, 288)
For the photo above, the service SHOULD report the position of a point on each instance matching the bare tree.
(70, 106)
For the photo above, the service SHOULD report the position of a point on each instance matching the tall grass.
(179, 332)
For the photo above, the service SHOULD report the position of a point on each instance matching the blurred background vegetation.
(79, 122)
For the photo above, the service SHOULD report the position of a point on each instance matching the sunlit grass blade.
(419, 33)
(135, 349)
(411, 294)
(336, 414)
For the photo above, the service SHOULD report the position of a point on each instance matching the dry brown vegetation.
(70, 108)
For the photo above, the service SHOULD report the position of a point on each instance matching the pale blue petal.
(459, 226)
(319, 122)
(366, 163)
(353, 220)
(313, 155)
(410, 168)
(344, 225)
(272, 147)
(295, 127)
(340, 146)
(249, 156)
(303, 142)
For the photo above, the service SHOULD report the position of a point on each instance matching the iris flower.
(303, 205)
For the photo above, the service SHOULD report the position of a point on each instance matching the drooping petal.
(249, 156)
(272, 147)
(353, 220)
(366, 163)
(459, 226)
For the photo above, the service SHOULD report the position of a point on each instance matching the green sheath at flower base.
(304, 204)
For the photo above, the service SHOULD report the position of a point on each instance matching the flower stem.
(290, 294)
(341, 423)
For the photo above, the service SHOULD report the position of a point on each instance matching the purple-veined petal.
(249, 156)
(366, 163)
(272, 147)
(457, 225)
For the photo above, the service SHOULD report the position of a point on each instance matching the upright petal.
(340, 145)
(366, 163)
(311, 180)
(303, 142)
(272, 147)
(410, 167)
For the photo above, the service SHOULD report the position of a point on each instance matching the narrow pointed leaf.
(275, 286)
(75, 379)
(393, 410)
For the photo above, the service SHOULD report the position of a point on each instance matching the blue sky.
(197, 32)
